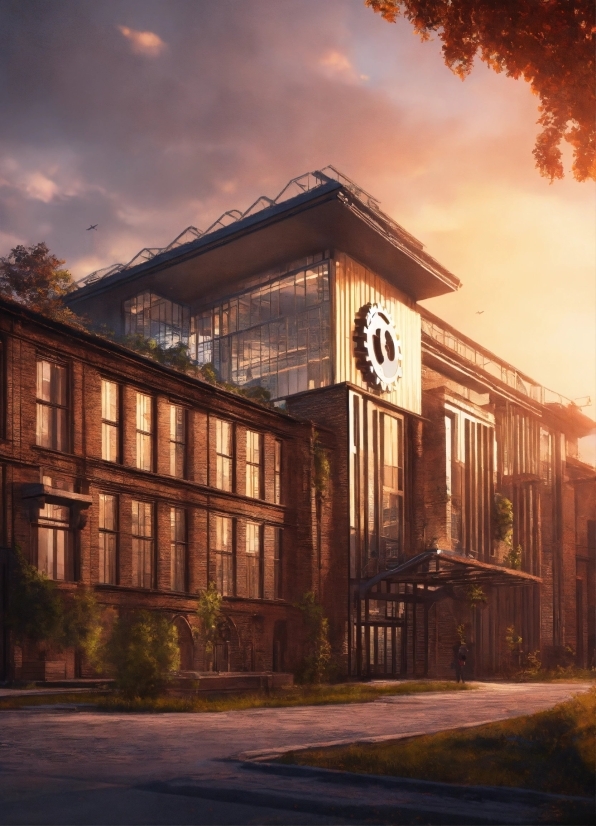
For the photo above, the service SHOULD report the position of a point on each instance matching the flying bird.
(93, 226)
(479, 312)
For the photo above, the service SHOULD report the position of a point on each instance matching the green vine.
(513, 558)
(503, 519)
(476, 595)
(209, 613)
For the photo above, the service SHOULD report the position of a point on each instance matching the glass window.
(152, 316)
(224, 555)
(254, 463)
(275, 335)
(277, 564)
(108, 538)
(546, 456)
(144, 432)
(277, 473)
(254, 558)
(54, 541)
(224, 455)
(178, 549)
(392, 475)
(177, 441)
(142, 544)
(52, 412)
(110, 421)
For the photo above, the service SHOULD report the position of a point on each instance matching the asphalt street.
(87, 767)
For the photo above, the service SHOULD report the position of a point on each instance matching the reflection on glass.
(178, 549)
(142, 544)
(51, 395)
(253, 560)
(107, 538)
(275, 335)
(224, 555)
(152, 316)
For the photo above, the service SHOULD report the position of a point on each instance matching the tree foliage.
(209, 614)
(548, 43)
(32, 276)
(141, 652)
(39, 613)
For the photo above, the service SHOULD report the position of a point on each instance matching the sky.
(146, 116)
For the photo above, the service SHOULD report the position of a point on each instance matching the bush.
(142, 650)
(209, 613)
(39, 613)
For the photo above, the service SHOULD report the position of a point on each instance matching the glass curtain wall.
(276, 335)
(152, 316)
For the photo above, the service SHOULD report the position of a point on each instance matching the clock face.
(378, 348)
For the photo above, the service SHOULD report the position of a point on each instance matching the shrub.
(209, 613)
(513, 558)
(142, 650)
(35, 608)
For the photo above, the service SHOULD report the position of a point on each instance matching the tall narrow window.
(392, 479)
(108, 538)
(254, 560)
(254, 463)
(224, 555)
(54, 542)
(277, 564)
(52, 412)
(177, 441)
(277, 473)
(144, 432)
(223, 449)
(142, 544)
(110, 422)
(178, 549)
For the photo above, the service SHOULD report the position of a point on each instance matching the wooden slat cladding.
(354, 286)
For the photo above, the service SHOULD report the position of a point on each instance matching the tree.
(40, 614)
(142, 650)
(209, 613)
(32, 276)
(550, 43)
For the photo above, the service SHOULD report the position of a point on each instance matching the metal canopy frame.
(438, 568)
(425, 579)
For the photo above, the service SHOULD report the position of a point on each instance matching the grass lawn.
(552, 751)
(295, 696)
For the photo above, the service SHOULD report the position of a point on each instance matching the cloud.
(245, 97)
(145, 43)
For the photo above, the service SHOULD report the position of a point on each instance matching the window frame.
(278, 564)
(146, 540)
(254, 470)
(175, 443)
(277, 472)
(104, 531)
(145, 436)
(113, 424)
(223, 459)
(252, 556)
(41, 403)
(220, 553)
(175, 544)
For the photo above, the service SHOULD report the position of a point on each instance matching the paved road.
(90, 767)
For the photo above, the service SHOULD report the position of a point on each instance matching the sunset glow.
(146, 117)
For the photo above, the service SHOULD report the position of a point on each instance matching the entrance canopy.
(443, 570)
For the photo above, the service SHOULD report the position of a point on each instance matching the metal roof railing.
(297, 186)
(491, 364)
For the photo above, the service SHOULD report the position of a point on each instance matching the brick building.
(148, 484)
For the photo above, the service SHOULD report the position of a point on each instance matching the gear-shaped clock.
(378, 348)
